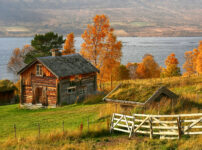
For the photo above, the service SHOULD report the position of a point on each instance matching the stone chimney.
(55, 52)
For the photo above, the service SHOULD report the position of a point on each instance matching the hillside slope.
(130, 17)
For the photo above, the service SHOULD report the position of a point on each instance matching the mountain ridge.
(129, 17)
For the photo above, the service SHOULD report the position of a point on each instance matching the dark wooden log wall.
(86, 80)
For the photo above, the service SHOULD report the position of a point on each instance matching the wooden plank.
(193, 120)
(122, 125)
(111, 91)
(192, 133)
(170, 138)
(143, 132)
(123, 101)
(165, 125)
(117, 121)
(194, 127)
(111, 126)
(194, 123)
(122, 130)
(141, 124)
(131, 122)
(179, 127)
(159, 127)
(131, 117)
(163, 116)
(151, 130)
(165, 133)
(159, 121)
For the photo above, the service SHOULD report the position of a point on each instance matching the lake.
(133, 49)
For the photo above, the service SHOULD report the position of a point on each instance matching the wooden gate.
(122, 123)
(165, 126)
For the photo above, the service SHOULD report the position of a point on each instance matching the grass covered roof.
(141, 90)
(134, 92)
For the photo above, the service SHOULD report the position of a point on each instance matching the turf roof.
(134, 92)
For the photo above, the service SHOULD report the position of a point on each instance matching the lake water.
(133, 50)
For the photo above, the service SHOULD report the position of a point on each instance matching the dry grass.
(98, 137)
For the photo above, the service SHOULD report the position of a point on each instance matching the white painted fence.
(166, 126)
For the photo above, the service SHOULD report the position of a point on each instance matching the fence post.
(179, 127)
(63, 128)
(88, 123)
(39, 129)
(151, 130)
(15, 130)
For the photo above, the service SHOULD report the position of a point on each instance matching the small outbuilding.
(7, 92)
(139, 95)
(56, 80)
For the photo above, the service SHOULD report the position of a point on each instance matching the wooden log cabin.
(55, 80)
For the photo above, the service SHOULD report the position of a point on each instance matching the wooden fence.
(165, 126)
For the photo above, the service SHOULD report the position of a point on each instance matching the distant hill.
(128, 17)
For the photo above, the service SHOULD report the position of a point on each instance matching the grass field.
(77, 135)
(49, 119)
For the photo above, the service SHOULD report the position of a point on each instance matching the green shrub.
(93, 99)
(7, 85)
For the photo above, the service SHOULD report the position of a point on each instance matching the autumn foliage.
(69, 45)
(193, 61)
(111, 57)
(190, 62)
(148, 68)
(199, 59)
(172, 68)
(101, 47)
(122, 73)
(94, 40)
(16, 61)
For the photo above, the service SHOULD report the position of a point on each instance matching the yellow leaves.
(199, 63)
(171, 66)
(69, 45)
(193, 61)
(199, 59)
(101, 47)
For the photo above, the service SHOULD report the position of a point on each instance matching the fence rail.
(166, 126)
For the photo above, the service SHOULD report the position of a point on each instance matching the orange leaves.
(141, 71)
(171, 66)
(171, 59)
(111, 56)
(199, 59)
(69, 45)
(148, 68)
(94, 39)
(190, 62)
(101, 47)
(193, 61)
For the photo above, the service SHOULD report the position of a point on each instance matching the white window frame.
(83, 91)
(39, 71)
(71, 90)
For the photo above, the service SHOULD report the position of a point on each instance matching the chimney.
(55, 52)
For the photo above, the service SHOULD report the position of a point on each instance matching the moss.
(141, 90)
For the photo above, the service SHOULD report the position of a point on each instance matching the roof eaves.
(27, 66)
(48, 68)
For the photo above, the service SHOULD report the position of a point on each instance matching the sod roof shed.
(138, 94)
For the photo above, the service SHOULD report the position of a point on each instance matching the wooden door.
(39, 94)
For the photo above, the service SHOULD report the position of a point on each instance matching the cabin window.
(71, 90)
(39, 71)
(83, 91)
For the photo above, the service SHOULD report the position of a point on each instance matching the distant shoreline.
(118, 36)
